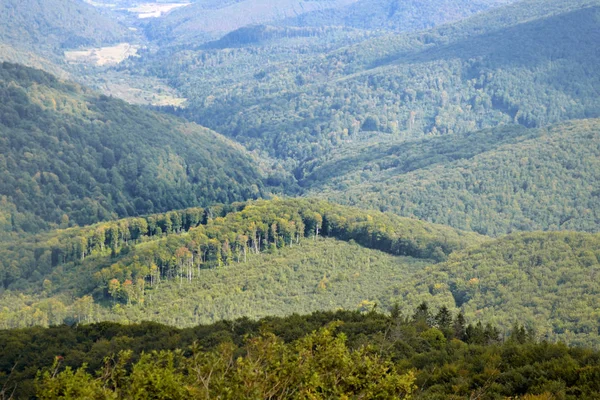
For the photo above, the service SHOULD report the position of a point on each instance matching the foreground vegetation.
(429, 354)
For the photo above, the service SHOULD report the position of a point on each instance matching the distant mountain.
(395, 15)
(494, 181)
(532, 63)
(207, 18)
(52, 25)
(259, 34)
(71, 156)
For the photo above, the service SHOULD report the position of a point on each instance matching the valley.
(357, 198)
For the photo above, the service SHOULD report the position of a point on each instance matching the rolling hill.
(249, 259)
(494, 181)
(207, 18)
(447, 171)
(71, 156)
(279, 257)
(548, 281)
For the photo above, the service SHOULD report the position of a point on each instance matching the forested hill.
(52, 25)
(493, 181)
(532, 278)
(395, 15)
(281, 257)
(206, 18)
(531, 63)
(200, 265)
(70, 156)
(200, 18)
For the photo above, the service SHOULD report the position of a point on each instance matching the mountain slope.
(72, 156)
(548, 281)
(208, 17)
(494, 181)
(531, 63)
(265, 257)
(226, 261)
(395, 15)
(52, 25)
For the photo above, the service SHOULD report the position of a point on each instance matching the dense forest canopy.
(71, 156)
(283, 256)
(529, 277)
(494, 181)
(207, 18)
(394, 15)
(203, 19)
(214, 251)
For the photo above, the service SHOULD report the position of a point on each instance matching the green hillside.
(283, 256)
(494, 181)
(48, 26)
(70, 156)
(206, 18)
(324, 275)
(247, 259)
(353, 199)
(548, 281)
(532, 63)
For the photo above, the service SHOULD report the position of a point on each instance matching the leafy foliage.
(69, 156)
(342, 352)
(318, 366)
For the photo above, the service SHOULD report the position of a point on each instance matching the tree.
(443, 321)
(422, 317)
(459, 326)
(114, 287)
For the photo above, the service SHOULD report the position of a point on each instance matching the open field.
(102, 55)
(162, 96)
(154, 10)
